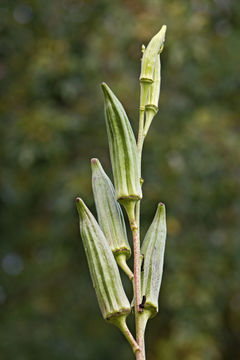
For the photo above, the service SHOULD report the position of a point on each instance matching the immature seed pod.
(150, 55)
(153, 251)
(123, 152)
(148, 64)
(153, 96)
(104, 272)
(110, 216)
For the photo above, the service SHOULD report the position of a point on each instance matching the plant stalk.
(137, 269)
(139, 324)
(142, 322)
(139, 316)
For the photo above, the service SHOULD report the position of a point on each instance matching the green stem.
(137, 284)
(121, 260)
(140, 355)
(142, 322)
(137, 270)
(139, 316)
(121, 324)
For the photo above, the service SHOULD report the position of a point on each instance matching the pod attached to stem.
(111, 296)
(151, 107)
(110, 216)
(148, 64)
(153, 248)
(123, 153)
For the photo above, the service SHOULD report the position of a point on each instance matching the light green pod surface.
(150, 56)
(154, 91)
(153, 248)
(153, 96)
(123, 149)
(103, 268)
(110, 216)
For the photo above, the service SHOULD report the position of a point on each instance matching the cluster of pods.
(105, 241)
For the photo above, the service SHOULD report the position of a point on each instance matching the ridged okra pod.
(148, 63)
(106, 243)
(103, 268)
(151, 107)
(123, 152)
(110, 216)
(153, 256)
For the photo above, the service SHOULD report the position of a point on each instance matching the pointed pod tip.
(94, 161)
(164, 28)
(106, 90)
(104, 87)
(95, 164)
(161, 210)
(161, 206)
(80, 204)
(162, 33)
(160, 36)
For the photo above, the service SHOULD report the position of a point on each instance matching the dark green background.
(53, 56)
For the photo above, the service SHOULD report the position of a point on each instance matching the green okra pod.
(148, 63)
(153, 256)
(103, 268)
(153, 96)
(110, 216)
(150, 56)
(123, 152)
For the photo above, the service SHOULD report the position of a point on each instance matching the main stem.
(137, 269)
(140, 324)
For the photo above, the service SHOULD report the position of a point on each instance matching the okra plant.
(105, 242)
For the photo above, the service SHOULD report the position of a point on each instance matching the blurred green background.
(53, 56)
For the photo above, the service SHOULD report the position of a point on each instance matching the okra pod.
(150, 56)
(148, 64)
(110, 216)
(123, 152)
(153, 252)
(151, 107)
(104, 272)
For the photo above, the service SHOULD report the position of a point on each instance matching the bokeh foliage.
(53, 55)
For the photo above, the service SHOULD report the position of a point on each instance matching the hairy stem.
(137, 268)
(140, 325)
(140, 355)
